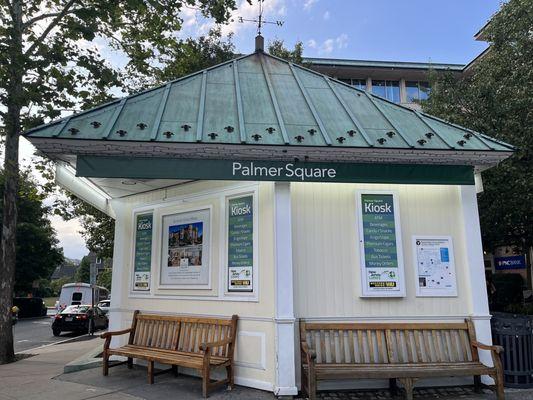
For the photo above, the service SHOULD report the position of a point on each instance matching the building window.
(358, 83)
(387, 89)
(416, 91)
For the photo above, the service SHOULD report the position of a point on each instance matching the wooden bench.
(403, 351)
(193, 342)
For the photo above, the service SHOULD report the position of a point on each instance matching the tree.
(48, 63)
(83, 273)
(277, 48)
(37, 251)
(496, 99)
(104, 279)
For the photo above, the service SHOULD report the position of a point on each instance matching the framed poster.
(382, 272)
(185, 259)
(435, 266)
(240, 244)
(142, 262)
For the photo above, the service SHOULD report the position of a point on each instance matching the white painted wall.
(326, 252)
(255, 358)
(325, 265)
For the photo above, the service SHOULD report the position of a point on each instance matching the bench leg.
(229, 372)
(105, 364)
(175, 370)
(498, 382)
(206, 378)
(393, 386)
(477, 383)
(310, 378)
(130, 362)
(151, 372)
(408, 384)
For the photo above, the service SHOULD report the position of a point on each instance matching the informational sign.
(143, 252)
(380, 245)
(435, 266)
(510, 262)
(185, 258)
(266, 170)
(240, 244)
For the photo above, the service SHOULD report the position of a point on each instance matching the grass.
(50, 301)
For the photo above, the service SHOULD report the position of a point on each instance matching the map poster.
(381, 249)
(143, 252)
(240, 244)
(185, 258)
(435, 266)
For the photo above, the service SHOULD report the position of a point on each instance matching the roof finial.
(259, 40)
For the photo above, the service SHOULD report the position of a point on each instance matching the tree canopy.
(495, 98)
(51, 62)
(38, 253)
(277, 48)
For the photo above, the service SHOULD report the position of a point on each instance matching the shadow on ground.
(134, 382)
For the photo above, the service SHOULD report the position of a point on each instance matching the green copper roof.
(259, 100)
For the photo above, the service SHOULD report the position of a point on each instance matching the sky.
(385, 30)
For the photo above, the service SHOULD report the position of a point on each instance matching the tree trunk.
(11, 171)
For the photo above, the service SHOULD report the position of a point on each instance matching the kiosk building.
(261, 188)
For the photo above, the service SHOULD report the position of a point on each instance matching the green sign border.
(175, 168)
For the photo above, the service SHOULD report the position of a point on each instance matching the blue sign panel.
(511, 262)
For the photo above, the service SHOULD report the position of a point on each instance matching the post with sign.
(92, 281)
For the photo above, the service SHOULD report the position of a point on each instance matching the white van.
(73, 294)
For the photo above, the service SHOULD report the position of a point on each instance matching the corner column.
(119, 283)
(284, 293)
(479, 304)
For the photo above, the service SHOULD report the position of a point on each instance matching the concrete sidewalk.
(41, 377)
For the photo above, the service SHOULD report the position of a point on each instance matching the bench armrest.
(206, 346)
(309, 353)
(105, 335)
(496, 349)
(108, 335)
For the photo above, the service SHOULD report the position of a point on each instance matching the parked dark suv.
(30, 307)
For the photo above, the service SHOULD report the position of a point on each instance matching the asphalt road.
(34, 332)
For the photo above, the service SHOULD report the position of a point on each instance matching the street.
(34, 332)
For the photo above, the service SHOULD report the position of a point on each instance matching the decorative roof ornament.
(259, 39)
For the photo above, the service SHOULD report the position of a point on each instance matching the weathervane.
(260, 21)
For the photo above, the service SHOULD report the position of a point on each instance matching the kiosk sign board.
(380, 245)
(143, 252)
(435, 266)
(240, 244)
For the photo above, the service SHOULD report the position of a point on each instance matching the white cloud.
(309, 4)
(327, 47)
(326, 15)
(330, 44)
(195, 24)
(342, 41)
(68, 233)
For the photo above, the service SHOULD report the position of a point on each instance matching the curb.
(86, 361)
(72, 339)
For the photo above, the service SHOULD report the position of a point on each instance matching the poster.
(380, 245)
(240, 244)
(185, 258)
(143, 252)
(435, 266)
